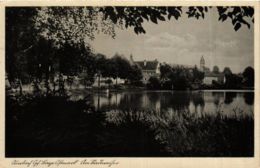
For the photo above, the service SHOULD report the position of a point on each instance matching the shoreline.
(135, 89)
(162, 90)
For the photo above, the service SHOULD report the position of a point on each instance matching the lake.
(228, 103)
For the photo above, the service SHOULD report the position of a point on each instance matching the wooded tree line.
(177, 77)
(182, 78)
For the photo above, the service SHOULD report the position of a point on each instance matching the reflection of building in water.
(200, 103)
(218, 98)
(105, 101)
(208, 102)
(151, 101)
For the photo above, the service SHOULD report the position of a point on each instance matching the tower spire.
(202, 63)
(131, 58)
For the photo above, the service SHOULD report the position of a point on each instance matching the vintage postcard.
(129, 84)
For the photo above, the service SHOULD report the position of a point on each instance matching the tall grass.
(190, 134)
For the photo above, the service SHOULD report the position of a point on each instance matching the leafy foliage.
(154, 83)
(238, 15)
(135, 74)
(20, 36)
(179, 77)
(215, 69)
(249, 75)
(227, 71)
(121, 67)
(233, 81)
(71, 24)
(135, 16)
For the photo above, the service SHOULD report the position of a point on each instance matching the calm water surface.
(229, 103)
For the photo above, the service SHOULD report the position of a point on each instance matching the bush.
(153, 83)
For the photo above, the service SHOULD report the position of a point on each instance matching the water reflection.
(218, 97)
(249, 98)
(199, 102)
(229, 97)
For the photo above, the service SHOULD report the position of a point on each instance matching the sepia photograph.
(129, 81)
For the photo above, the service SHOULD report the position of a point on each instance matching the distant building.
(210, 76)
(203, 67)
(202, 63)
(103, 81)
(149, 68)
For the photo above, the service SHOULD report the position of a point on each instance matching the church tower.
(131, 60)
(202, 63)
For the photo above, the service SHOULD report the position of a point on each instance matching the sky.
(184, 42)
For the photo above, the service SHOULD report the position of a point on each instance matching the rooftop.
(147, 65)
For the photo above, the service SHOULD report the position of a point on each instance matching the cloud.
(226, 44)
(177, 44)
(188, 49)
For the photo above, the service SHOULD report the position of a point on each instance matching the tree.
(87, 79)
(227, 71)
(165, 71)
(233, 81)
(177, 77)
(100, 64)
(135, 74)
(20, 36)
(197, 75)
(216, 69)
(153, 83)
(249, 76)
(121, 67)
(71, 24)
(180, 78)
(71, 58)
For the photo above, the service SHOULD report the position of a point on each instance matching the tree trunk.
(20, 87)
(47, 82)
(99, 81)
